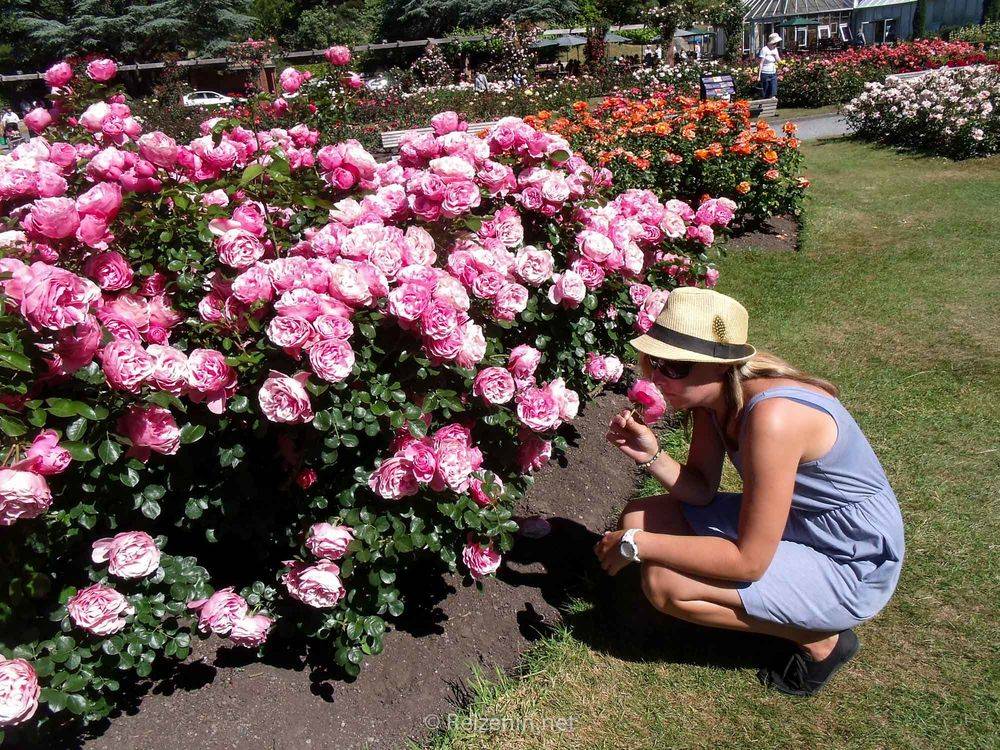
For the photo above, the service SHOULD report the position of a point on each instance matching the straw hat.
(774, 39)
(698, 325)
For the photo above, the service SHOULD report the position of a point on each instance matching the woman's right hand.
(632, 437)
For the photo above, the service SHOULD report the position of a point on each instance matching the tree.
(420, 19)
(352, 22)
(991, 10)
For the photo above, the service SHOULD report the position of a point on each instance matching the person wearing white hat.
(768, 72)
(811, 548)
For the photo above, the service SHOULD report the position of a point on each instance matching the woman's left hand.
(607, 551)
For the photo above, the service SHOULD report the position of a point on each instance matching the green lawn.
(799, 113)
(896, 298)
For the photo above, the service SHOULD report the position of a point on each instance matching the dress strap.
(820, 401)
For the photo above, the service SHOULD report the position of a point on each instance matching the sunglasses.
(671, 369)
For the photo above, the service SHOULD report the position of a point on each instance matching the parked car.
(206, 99)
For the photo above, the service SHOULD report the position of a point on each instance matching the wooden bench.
(764, 107)
(392, 138)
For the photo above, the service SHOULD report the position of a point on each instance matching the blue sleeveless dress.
(840, 555)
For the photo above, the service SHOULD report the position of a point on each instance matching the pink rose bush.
(307, 365)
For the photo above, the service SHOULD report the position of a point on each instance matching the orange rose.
(793, 143)
(579, 106)
(715, 149)
(770, 156)
(689, 131)
(790, 127)
(743, 188)
(544, 115)
(802, 182)
(771, 174)
(702, 154)
(663, 128)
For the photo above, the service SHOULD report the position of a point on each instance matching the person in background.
(481, 83)
(768, 73)
(518, 79)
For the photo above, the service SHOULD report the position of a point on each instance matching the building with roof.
(815, 24)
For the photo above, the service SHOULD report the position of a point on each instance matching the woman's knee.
(665, 589)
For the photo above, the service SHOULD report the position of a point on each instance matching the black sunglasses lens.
(673, 370)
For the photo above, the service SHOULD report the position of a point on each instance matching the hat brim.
(656, 348)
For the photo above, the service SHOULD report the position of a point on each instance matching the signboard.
(717, 87)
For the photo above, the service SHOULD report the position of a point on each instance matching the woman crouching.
(810, 549)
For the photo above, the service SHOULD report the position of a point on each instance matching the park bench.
(920, 73)
(764, 107)
(392, 138)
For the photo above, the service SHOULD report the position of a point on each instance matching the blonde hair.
(760, 365)
(767, 365)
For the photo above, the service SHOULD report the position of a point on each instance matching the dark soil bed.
(223, 698)
(778, 234)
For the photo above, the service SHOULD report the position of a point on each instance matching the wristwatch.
(627, 546)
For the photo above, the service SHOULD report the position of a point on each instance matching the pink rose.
(394, 479)
(568, 400)
(481, 561)
(316, 585)
(77, 345)
(45, 456)
(328, 541)
(408, 301)
(37, 120)
(648, 397)
(538, 409)
(446, 122)
(422, 458)
(534, 266)
(334, 327)
(103, 201)
(533, 453)
(711, 277)
(99, 609)
(332, 359)
(220, 612)
(284, 399)
(639, 292)
(460, 198)
(208, 370)
(495, 385)
(289, 331)
(101, 70)
(110, 270)
(568, 290)
(238, 248)
(19, 691)
(150, 428)
(53, 218)
(291, 80)
(131, 554)
(23, 494)
(509, 301)
(158, 149)
(338, 55)
(59, 74)
(487, 490)
(126, 365)
(523, 361)
(251, 631)
(170, 369)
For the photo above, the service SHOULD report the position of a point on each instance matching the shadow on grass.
(615, 617)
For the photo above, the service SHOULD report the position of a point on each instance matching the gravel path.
(814, 128)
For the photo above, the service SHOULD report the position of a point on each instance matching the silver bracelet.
(646, 464)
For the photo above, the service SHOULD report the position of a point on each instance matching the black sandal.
(802, 675)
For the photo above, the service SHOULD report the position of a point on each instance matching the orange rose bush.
(680, 147)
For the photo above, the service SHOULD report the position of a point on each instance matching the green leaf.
(109, 451)
(14, 361)
(251, 173)
(130, 477)
(55, 699)
(62, 407)
(192, 433)
(76, 429)
(150, 508)
(12, 427)
(86, 411)
(79, 451)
